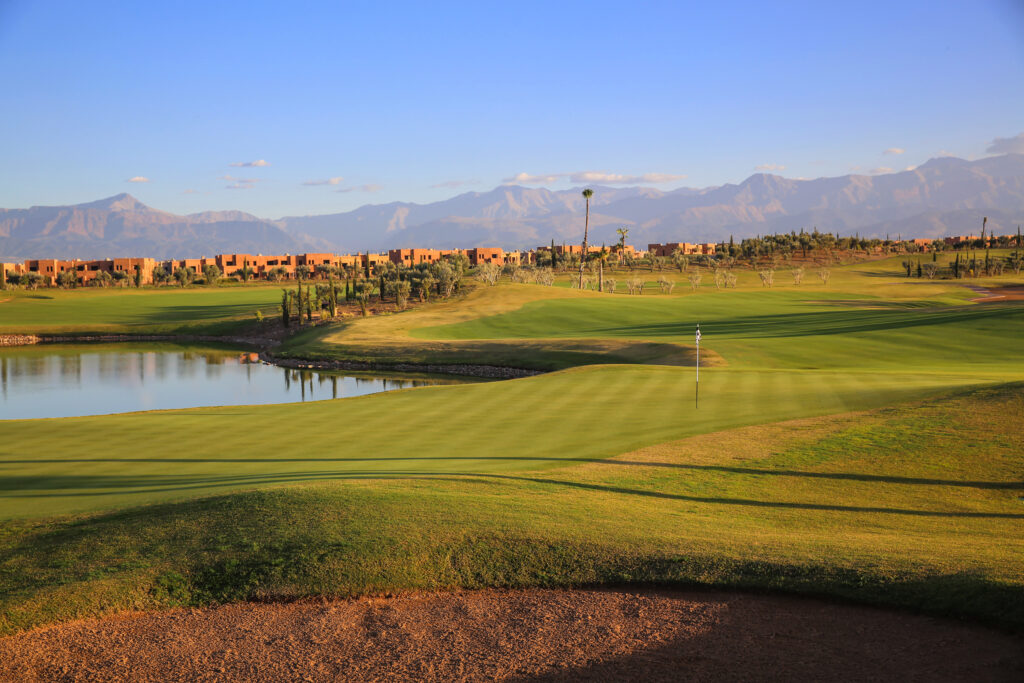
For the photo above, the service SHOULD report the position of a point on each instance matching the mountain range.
(944, 196)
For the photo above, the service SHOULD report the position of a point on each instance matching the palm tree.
(623, 233)
(587, 194)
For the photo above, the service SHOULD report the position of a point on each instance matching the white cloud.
(880, 170)
(190, 191)
(239, 186)
(259, 163)
(586, 177)
(770, 168)
(1014, 145)
(910, 168)
(245, 181)
(454, 183)
(527, 179)
(619, 179)
(328, 181)
(138, 179)
(894, 150)
(369, 187)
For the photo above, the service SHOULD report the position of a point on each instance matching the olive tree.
(211, 274)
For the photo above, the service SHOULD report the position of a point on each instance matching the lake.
(51, 380)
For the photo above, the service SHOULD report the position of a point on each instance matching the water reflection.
(65, 381)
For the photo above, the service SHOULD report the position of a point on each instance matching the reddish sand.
(490, 635)
(997, 294)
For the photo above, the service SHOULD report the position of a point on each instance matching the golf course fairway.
(862, 440)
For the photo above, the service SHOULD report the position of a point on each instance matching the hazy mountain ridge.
(943, 196)
(123, 226)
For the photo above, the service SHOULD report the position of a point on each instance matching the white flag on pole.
(698, 335)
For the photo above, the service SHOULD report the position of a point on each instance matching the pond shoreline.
(266, 343)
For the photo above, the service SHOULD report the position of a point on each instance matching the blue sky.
(381, 101)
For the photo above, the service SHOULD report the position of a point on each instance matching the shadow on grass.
(262, 544)
(821, 322)
(9, 483)
(64, 486)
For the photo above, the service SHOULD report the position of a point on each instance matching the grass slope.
(214, 310)
(915, 506)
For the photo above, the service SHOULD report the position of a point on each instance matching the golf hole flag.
(696, 388)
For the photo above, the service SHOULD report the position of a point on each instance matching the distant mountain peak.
(119, 202)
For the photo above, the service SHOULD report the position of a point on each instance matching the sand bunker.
(530, 634)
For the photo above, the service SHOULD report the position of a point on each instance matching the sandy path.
(489, 635)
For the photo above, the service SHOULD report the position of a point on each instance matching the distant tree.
(362, 295)
(211, 274)
(666, 284)
(277, 274)
(423, 284)
(931, 270)
(286, 307)
(1015, 261)
(401, 289)
(31, 280)
(246, 273)
(67, 279)
(302, 272)
(609, 285)
(635, 285)
(102, 279)
(680, 259)
(184, 276)
(119, 277)
(694, 279)
(623, 233)
(488, 273)
(798, 275)
(824, 274)
(138, 277)
(325, 271)
(159, 275)
(767, 276)
(587, 194)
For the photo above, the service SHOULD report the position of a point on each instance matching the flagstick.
(696, 386)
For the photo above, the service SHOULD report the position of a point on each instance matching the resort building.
(669, 248)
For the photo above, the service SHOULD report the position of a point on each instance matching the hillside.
(941, 197)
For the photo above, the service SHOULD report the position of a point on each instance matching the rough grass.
(164, 310)
(916, 506)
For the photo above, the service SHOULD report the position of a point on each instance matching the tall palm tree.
(623, 233)
(587, 194)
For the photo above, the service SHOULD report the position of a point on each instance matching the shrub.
(488, 273)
